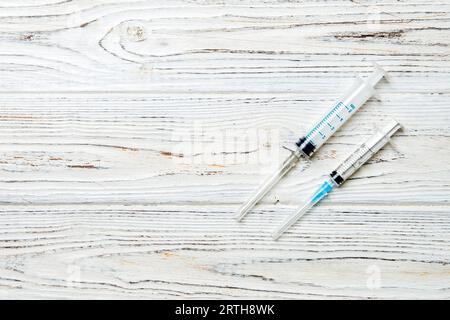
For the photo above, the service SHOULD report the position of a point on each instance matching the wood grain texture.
(130, 133)
(200, 252)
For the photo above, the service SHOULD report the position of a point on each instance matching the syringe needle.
(318, 195)
(287, 165)
(291, 220)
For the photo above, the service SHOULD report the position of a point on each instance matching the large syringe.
(343, 172)
(306, 146)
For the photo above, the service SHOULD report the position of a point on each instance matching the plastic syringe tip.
(245, 209)
(377, 74)
(291, 220)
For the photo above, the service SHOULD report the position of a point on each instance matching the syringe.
(342, 110)
(343, 172)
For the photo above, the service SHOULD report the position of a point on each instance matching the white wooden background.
(102, 197)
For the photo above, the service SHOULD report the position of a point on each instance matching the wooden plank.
(205, 149)
(207, 46)
(121, 251)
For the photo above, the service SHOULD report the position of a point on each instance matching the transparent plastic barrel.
(366, 151)
(360, 91)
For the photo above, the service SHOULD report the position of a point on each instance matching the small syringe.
(343, 172)
(342, 110)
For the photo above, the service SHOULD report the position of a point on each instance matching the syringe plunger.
(377, 74)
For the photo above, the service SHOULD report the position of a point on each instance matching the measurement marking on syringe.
(350, 107)
(324, 120)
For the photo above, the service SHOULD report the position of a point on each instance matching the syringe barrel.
(364, 152)
(342, 110)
